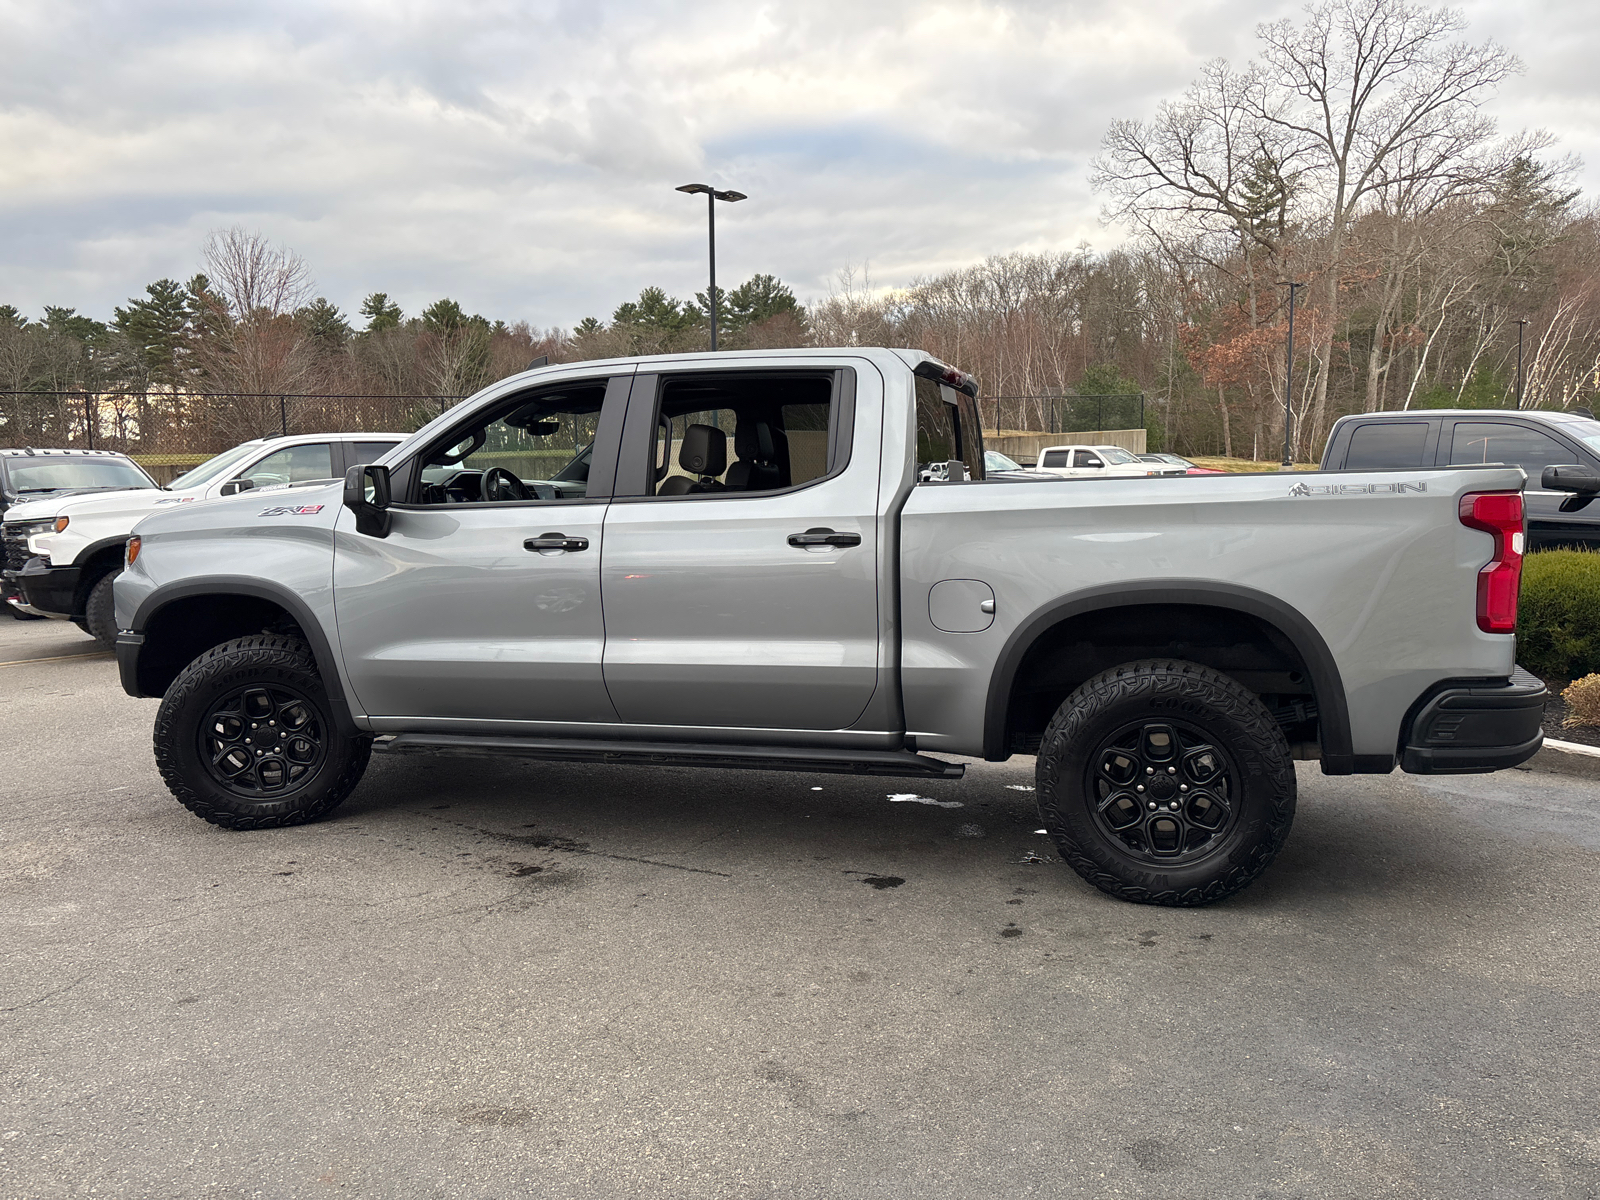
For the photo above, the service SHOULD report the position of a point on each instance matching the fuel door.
(961, 605)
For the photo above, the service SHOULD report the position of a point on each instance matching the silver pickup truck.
(792, 560)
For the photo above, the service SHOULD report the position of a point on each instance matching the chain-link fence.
(1061, 414)
(173, 428)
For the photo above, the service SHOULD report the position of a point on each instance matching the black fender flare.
(236, 585)
(1326, 682)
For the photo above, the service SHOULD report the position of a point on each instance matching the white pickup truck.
(1102, 462)
(751, 563)
(63, 553)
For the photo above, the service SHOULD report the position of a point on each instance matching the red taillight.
(1500, 514)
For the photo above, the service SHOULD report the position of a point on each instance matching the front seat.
(704, 454)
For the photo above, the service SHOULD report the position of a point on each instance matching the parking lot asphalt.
(492, 979)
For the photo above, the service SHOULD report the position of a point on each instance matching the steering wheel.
(499, 484)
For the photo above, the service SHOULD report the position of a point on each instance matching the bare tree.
(1373, 95)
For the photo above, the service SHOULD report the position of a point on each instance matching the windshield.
(1117, 455)
(993, 460)
(213, 467)
(56, 474)
(1585, 430)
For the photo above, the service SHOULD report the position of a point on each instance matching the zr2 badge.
(292, 510)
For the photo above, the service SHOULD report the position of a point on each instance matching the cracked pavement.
(484, 979)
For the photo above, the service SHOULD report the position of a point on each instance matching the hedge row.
(1558, 615)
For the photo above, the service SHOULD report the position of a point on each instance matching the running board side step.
(675, 754)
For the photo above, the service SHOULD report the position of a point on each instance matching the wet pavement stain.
(1011, 930)
(882, 882)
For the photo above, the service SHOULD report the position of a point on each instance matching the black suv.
(1532, 439)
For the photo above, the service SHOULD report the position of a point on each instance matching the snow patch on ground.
(913, 798)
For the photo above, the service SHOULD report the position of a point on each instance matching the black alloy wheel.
(262, 742)
(1163, 790)
(245, 737)
(1166, 782)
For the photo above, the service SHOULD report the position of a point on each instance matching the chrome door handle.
(555, 541)
(824, 537)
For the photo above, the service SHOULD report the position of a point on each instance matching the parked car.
(64, 549)
(755, 577)
(1532, 439)
(28, 475)
(1174, 460)
(1072, 462)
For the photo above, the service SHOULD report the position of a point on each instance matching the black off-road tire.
(1205, 706)
(99, 611)
(266, 662)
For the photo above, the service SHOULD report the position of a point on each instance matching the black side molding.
(1468, 727)
(675, 754)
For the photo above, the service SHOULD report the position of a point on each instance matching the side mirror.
(366, 493)
(234, 486)
(1583, 482)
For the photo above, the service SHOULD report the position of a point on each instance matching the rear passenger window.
(758, 432)
(1387, 444)
(1502, 442)
(370, 452)
(1054, 458)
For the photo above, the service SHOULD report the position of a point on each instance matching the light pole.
(1520, 324)
(712, 196)
(1288, 385)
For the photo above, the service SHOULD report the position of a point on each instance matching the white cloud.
(520, 157)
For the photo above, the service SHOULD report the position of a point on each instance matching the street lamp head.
(698, 189)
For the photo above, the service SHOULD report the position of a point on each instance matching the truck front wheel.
(245, 738)
(99, 611)
(1165, 782)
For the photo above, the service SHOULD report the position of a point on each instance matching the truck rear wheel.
(245, 737)
(1165, 782)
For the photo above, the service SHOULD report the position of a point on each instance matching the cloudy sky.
(520, 156)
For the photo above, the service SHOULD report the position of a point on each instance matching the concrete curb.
(1567, 758)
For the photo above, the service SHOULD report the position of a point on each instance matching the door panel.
(453, 615)
(449, 616)
(712, 617)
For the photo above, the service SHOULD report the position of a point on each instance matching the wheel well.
(1246, 647)
(95, 568)
(179, 632)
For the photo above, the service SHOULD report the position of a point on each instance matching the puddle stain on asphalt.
(562, 845)
(879, 882)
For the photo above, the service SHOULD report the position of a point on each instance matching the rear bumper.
(49, 590)
(1470, 728)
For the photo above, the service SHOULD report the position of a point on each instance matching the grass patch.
(1244, 465)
